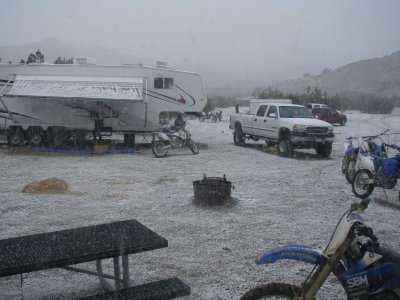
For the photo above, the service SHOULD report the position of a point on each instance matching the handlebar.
(363, 205)
(369, 137)
(393, 146)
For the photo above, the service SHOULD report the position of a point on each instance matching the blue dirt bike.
(365, 269)
(357, 151)
(385, 173)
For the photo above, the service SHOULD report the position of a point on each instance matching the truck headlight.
(330, 130)
(299, 127)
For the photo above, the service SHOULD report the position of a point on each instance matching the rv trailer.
(45, 102)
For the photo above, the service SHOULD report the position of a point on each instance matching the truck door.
(271, 122)
(259, 120)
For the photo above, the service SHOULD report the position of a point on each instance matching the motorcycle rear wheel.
(360, 188)
(193, 147)
(159, 149)
(272, 290)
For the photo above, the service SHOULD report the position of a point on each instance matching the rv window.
(168, 83)
(163, 83)
(158, 83)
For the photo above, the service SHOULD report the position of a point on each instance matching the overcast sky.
(230, 35)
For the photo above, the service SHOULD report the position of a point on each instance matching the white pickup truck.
(289, 126)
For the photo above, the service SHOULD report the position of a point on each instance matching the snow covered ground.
(278, 201)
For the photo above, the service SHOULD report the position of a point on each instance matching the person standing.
(237, 108)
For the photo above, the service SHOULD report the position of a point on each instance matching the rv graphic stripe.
(181, 100)
(194, 101)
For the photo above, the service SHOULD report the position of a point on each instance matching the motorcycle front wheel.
(159, 149)
(272, 290)
(193, 147)
(202, 118)
(351, 170)
(362, 186)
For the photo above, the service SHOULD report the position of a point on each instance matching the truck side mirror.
(272, 115)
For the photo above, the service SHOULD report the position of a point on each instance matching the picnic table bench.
(63, 248)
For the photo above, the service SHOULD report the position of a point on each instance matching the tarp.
(72, 87)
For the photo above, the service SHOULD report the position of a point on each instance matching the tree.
(326, 71)
(60, 60)
(36, 57)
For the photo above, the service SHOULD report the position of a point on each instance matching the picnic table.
(64, 248)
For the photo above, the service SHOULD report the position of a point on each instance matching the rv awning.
(72, 87)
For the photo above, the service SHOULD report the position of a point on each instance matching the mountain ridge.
(378, 76)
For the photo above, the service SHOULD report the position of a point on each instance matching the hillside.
(379, 76)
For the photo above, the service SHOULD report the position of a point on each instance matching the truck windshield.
(294, 112)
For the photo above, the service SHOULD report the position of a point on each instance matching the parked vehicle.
(385, 173)
(311, 106)
(173, 138)
(364, 268)
(45, 103)
(360, 156)
(330, 115)
(287, 125)
(214, 116)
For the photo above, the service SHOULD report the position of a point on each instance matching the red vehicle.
(330, 115)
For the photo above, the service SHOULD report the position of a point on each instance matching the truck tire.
(285, 147)
(238, 136)
(324, 150)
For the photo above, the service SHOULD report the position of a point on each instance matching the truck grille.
(317, 130)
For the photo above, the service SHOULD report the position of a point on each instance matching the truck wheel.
(285, 148)
(238, 136)
(342, 123)
(15, 136)
(324, 150)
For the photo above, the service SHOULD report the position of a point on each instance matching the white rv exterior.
(37, 98)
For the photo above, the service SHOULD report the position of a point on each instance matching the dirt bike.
(173, 138)
(365, 269)
(210, 115)
(357, 151)
(385, 173)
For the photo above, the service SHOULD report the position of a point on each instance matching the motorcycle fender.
(366, 162)
(296, 252)
(163, 136)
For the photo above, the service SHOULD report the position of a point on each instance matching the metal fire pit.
(212, 191)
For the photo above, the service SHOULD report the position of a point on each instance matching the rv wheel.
(15, 137)
(35, 136)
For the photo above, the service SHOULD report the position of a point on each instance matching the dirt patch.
(47, 186)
